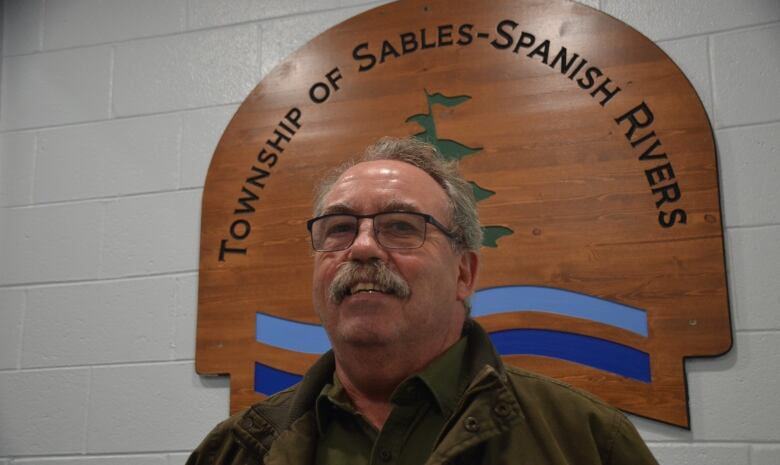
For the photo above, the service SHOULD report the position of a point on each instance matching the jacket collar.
(481, 352)
(259, 426)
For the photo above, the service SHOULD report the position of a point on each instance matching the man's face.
(439, 279)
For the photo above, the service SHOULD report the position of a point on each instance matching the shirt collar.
(442, 378)
(332, 396)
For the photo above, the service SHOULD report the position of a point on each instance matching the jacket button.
(385, 455)
(501, 409)
(471, 424)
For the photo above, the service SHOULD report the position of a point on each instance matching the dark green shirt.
(422, 404)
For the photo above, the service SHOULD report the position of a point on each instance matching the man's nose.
(365, 246)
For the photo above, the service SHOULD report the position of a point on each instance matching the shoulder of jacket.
(577, 415)
(251, 429)
(268, 415)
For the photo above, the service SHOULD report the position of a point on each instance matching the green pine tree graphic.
(455, 151)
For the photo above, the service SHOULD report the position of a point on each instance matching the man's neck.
(370, 375)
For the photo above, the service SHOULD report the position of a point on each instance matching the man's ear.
(467, 274)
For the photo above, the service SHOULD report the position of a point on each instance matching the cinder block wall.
(109, 113)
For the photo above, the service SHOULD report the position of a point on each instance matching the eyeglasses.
(392, 230)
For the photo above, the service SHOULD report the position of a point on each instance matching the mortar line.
(174, 311)
(179, 155)
(724, 31)
(753, 226)
(747, 27)
(704, 442)
(19, 349)
(97, 455)
(36, 147)
(87, 122)
(87, 366)
(770, 331)
(105, 198)
(86, 412)
(189, 30)
(101, 236)
(372, 4)
(137, 277)
(711, 72)
(750, 125)
(111, 66)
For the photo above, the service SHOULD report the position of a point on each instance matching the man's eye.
(344, 227)
(400, 227)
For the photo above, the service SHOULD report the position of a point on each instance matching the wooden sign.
(589, 152)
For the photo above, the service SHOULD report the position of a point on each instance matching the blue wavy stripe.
(585, 350)
(270, 380)
(291, 335)
(508, 299)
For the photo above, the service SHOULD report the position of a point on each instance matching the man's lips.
(363, 287)
(355, 278)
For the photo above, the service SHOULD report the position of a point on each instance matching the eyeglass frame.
(428, 220)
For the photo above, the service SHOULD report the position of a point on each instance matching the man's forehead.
(382, 169)
(387, 185)
(385, 205)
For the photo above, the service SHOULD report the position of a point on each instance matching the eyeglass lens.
(394, 230)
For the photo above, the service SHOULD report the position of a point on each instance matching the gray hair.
(462, 205)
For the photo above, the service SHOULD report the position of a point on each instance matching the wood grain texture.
(567, 182)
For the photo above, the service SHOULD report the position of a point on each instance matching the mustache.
(377, 271)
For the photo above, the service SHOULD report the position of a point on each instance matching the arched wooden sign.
(590, 154)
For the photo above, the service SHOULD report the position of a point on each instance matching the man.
(411, 379)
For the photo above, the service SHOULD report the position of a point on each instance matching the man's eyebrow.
(391, 206)
(337, 208)
(400, 206)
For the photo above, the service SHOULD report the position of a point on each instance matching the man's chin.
(365, 334)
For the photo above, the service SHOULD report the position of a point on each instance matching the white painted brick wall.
(98, 460)
(665, 19)
(180, 459)
(201, 130)
(43, 412)
(753, 258)
(765, 455)
(101, 322)
(208, 13)
(126, 156)
(50, 243)
(702, 454)
(152, 234)
(17, 166)
(280, 37)
(12, 303)
(109, 113)
(749, 173)
(83, 22)
(745, 82)
(23, 26)
(31, 98)
(161, 407)
(734, 397)
(189, 70)
(692, 56)
(183, 344)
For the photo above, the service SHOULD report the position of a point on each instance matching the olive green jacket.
(505, 416)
